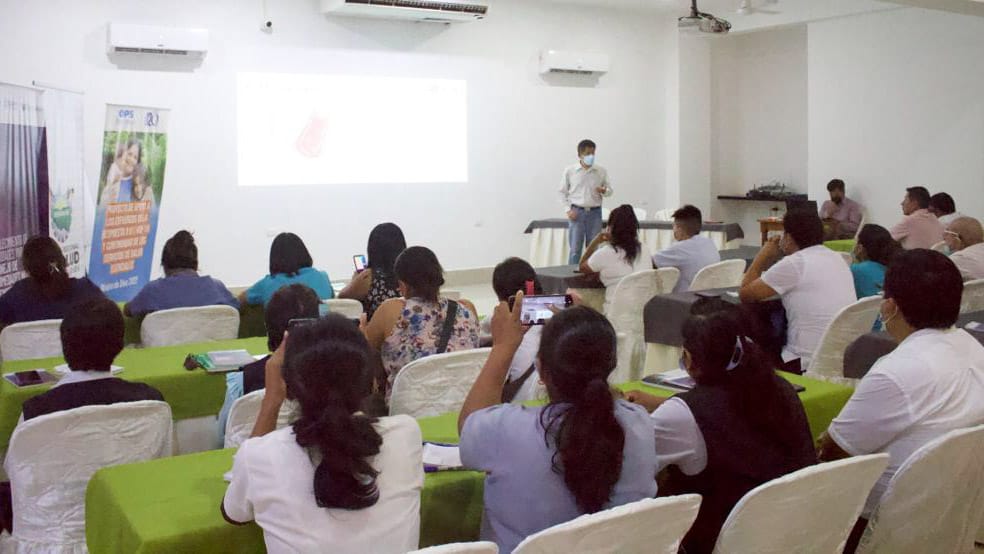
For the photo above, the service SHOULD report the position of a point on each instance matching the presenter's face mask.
(588, 159)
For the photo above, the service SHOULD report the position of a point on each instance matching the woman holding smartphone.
(377, 282)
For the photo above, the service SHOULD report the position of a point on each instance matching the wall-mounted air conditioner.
(584, 63)
(448, 11)
(152, 39)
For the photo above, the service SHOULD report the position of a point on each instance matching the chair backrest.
(242, 417)
(650, 526)
(483, 547)
(436, 384)
(973, 296)
(663, 215)
(347, 307)
(851, 322)
(847, 257)
(52, 457)
(939, 246)
(632, 293)
(817, 507)
(640, 213)
(935, 501)
(187, 325)
(32, 339)
(720, 275)
(864, 221)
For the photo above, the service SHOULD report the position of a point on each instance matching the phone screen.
(536, 309)
(25, 378)
(360, 262)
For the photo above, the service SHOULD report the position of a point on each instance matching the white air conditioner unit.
(151, 39)
(561, 61)
(448, 11)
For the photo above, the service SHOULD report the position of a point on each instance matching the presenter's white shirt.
(611, 266)
(579, 186)
(689, 256)
(931, 384)
(970, 261)
(272, 483)
(814, 284)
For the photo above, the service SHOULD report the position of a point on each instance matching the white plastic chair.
(436, 384)
(818, 506)
(650, 526)
(242, 417)
(188, 325)
(482, 547)
(864, 221)
(973, 296)
(847, 257)
(625, 313)
(939, 246)
(640, 213)
(347, 307)
(719, 275)
(52, 457)
(30, 340)
(851, 322)
(663, 215)
(935, 501)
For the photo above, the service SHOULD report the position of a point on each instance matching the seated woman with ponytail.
(335, 480)
(742, 425)
(583, 452)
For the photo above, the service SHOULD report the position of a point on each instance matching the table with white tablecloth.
(549, 245)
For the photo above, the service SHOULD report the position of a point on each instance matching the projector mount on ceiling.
(703, 22)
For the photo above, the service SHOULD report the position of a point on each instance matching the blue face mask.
(588, 160)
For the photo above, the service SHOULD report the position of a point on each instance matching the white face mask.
(588, 160)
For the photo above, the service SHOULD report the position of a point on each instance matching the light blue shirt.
(869, 278)
(689, 256)
(318, 280)
(523, 495)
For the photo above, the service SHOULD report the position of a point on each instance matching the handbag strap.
(511, 388)
(442, 343)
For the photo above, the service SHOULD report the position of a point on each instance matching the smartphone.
(536, 309)
(300, 322)
(707, 294)
(360, 262)
(25, 378)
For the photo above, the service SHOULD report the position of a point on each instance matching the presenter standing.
(581, 192)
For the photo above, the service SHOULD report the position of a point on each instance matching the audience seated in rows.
(965, 239)
(919, 228)
(290, 262)
(181, 286)
(47, 292)
(377, 283)
(295, 301)
(932, 383)
(812, 280)
(943, 207)
(740, 426)
(692, 252)
(336, 480)
(874, 251)
(841, 216)
(616, 252)
(583, 452)
(412, 327)
(92, 337)
(508, 278)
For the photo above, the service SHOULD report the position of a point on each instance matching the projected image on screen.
(335, 129)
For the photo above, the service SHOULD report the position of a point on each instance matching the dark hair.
(386, 242)
(326, 372)
(180, 252)
(577, 353)
(418, 267)
(511, 276)
(913, 277)
(44, 263)
(624, 229)
(92, 334)
(294, 301)
(711, 335)
(690, 218)
(289, 255)
(584, 145)
(919, 195)
(878, 244)
(835, 184)
(804, 226)
(943, 203)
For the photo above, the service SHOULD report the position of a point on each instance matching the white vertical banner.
(66, 176)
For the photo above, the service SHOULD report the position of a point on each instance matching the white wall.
(897, 99)
(522, 128)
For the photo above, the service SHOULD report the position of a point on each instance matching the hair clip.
(737, 356)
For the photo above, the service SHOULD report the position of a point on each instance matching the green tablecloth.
(846, 245)
(190, 393)
(250, 324)
(172, 505)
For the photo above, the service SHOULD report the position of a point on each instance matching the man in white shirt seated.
(692, 252)
(582, 189)
(813, 281)
(932, 383)
(509, 277)
(965, 239)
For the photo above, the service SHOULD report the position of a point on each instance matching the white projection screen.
(296, 129)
